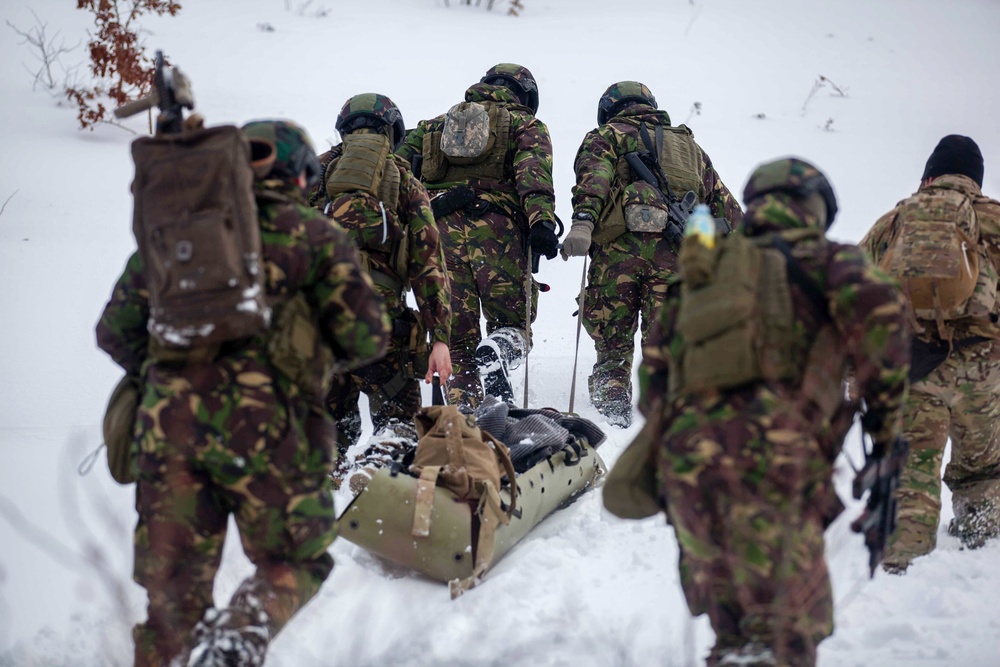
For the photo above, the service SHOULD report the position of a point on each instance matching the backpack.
(736, 315)
(195, 222)
(454, 453)
(935, 253)
(472, 143)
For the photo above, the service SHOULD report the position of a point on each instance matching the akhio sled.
(414, 514)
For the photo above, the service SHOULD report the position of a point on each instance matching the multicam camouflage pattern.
(486, 251)
(232, 436)
(628, 276)
(957, 401)
(746, 473)
(391, 387)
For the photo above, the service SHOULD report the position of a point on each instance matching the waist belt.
(463, 198)
(387, 280)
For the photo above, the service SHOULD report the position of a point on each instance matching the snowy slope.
(584, 588)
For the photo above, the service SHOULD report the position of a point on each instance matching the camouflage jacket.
(303, 252)
(527, 192)
(876, 241)
(598, 158)
(865, 309)
(426, 272)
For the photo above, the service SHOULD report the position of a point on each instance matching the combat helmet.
(281, 149)
(620, 94)
(373, 111)
(517, 79)
(795, 177)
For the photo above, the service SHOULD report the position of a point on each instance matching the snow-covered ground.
(584, 588)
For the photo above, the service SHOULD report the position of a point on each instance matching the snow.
(584, 588)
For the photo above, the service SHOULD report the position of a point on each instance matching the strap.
(504, 455)
(424, 502)
(801, 278)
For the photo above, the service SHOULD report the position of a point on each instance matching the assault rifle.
(880, 478)
(171, 93)
(678, 208)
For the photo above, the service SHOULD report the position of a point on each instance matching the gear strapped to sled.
(462, 503)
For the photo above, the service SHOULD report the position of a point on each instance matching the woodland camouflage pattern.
(958, 400)
(486, 252)
(628, 276)
(393, 390)
(234, 436)
(745, 474)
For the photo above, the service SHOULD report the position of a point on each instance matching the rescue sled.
(381, 518)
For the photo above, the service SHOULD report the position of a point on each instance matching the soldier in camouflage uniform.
(744, 471)
(392, 223)
(629, 273)
(491, 213)
(231, 435)
(957, 393)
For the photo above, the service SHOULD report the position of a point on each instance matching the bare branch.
(44, 50)
(7, 200)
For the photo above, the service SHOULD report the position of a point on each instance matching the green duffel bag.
(119, 428)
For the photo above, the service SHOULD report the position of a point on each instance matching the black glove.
(543, 239)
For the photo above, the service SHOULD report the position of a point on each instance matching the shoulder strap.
(801, 278)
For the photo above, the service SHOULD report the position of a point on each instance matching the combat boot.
(497, 355)
(231, 637)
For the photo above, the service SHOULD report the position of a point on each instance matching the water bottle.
(701, 225)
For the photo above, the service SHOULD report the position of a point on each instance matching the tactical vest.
(445, 157)
(937, 254)
(680, 157)
(736, 315)
(683, 164)
(365, 167)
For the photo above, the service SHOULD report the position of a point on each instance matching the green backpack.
(736, 316)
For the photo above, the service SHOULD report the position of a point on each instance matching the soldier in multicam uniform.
(959, 397)
(744, 472)
(234, 436)
(491, 211)
(629, 273)
(392, 223)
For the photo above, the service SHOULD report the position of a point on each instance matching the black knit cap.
(955, 154)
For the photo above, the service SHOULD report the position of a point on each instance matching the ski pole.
(527, 322)
(579, 325)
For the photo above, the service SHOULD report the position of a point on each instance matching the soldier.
(632, 256)
(372, 194)
(229, 434)
(742, 378)
(488, 166)
(956, 361)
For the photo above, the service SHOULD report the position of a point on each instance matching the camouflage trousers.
(744, 497)
(959, 399)
(215, 442)
(487, 264)
(627, 277)
(393, 393)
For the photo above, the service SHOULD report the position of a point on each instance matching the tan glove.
(577, 242)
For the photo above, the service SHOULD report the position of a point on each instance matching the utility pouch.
(644, 208)
(119, 428)
(414, 347)
(297, 350)
(435, 162)
(611, 224)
